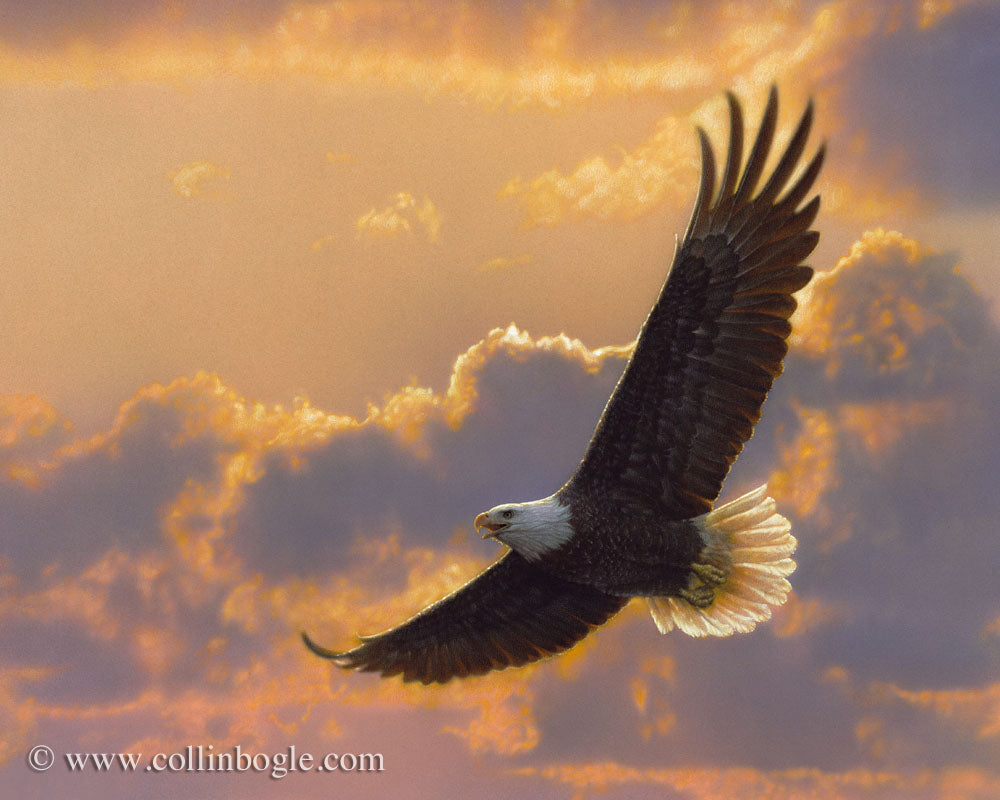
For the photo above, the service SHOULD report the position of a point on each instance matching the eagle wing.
(510, 614)
(714, 341)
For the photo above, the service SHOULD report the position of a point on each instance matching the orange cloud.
(273, 692)
(27, 416)
(661, 168)
(252, 681)
(407, 411)
(877, 427)
(198, 179)
(829, 323)
(931, 12)
(504, 262)
(404, 216)
(747, 783)
(661, 171)
(18, 712)
(864, 193)
(752, 46)
(973, 709)
(808, 464)
(196, 569)
(26, 422)
(976, 709)
(82, 599)
(799, 617)
(497, 709)
(526, 57)
(657, 676)
(323, 241)
(156, 649)
(246, 706)
(529, 56)
(199, 519)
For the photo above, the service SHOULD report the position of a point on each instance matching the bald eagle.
(636, 518)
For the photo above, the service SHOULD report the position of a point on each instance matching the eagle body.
(638, 517)
(623, 547)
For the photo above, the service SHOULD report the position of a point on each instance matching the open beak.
(492, 528)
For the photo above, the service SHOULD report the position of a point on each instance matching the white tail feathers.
(751, 544)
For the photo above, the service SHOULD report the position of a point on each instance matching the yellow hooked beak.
(492, 528)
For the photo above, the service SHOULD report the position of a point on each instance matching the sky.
(292, 291)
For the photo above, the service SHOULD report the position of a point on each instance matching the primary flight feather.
(636, 519)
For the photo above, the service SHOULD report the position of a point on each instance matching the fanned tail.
(745, 562)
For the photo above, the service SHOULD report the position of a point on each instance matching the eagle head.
(531, 529)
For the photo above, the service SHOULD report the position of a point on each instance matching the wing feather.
(734, 154)
(699, 216)
(714, 342)
(511, 614)
(760, 150)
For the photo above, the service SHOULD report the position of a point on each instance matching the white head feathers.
(530, 529)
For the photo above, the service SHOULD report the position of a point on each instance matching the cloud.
(159, 593)
(799, 617)
(662, 171)
(17, 711)
(501, 263)
(49, 22)
(973, 709)
(323, 241)
(745, 783)
(27, 417)
(933, 725)
(198, 179)
(404, 216)
(419, 444)
(922, 102)
(30, 427)
(934, 12)
(154, 576)
(915, 318)
(516, 56)
(161, 569)
(861, 191)
(82, 599)
(661, 168)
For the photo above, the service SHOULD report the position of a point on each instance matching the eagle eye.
(507, 514)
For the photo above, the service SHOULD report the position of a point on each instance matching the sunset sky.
(292, 291)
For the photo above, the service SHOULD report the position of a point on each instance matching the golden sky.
(294, 290)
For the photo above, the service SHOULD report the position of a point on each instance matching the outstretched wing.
(511, 614)
(715, 339)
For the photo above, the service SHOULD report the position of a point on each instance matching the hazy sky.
(294, 290)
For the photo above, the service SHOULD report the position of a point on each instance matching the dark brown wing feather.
(715, 339)
(509, 615)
